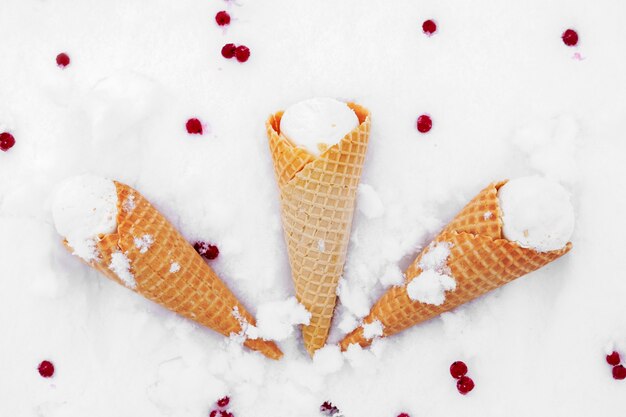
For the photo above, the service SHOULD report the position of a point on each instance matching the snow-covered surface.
(120, 265)
(276, 320)
(316, 124)
(536, 213)
(84, 207)
(507, 99)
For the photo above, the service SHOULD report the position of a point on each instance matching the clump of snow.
(276, 320)
(430, 287)
(248, 330)
(174, 267)
(143, 243)
(368, 201)
(318, 121)
(120, 265)
(487, 215)
(431, 284)
(536, 213)
(435, 257)
(373, 329)
(328, 359)
(321, 245)
(85, 207)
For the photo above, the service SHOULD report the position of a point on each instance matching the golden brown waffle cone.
(194, 291)
(480, 260)
(317, 198)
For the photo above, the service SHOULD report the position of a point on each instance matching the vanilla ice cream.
(318, 123)
(537, 213)
(83, 208)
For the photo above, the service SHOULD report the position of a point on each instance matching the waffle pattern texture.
(480, 261)
(170, 272)
(317, 199)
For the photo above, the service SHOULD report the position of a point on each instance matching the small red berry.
(424, 123)
(223, 402)
(63, 60)
(6, 141)
(458, 369)
(570, 37)
(465, 384)
(213, 413)
(328, 408)
(403, 415)
(619, 372)
(429, 27)
(225, 413)
(194, 126)
(46, 369)
(613, 358)
(207, 251)
(242, 53)
(228, 50)
(222, 18)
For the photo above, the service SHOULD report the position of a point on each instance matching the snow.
(84, 207)
(536, 213)
(507, 100)
(430, 287)
(143, 243)
(174, 267)
(276, 320)
(373, 329)
(318, 123)
(369, 202)
(120, 265)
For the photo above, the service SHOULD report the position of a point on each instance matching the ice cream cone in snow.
(318, 148)
(137, 247)
(476, 253)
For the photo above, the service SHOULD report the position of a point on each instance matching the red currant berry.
(46, 369)
(570, 37)
(206, 250)
(242, 53)
(228, 50)
(619, 372)
(613, 358)
(465, 384)
(194, 126)
(222, 18)
(429, 27)
(458, 369)
(63, 60)
(6, 141)
(223, 402)
(424, 123)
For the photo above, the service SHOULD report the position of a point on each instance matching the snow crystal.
(276, 320)
(487, 215)
(129, 204)
(120, 265)
(436, 256)
(144, 243)
(430, 286)
(248, 330)
(174, 267)
(321, 245)
(373, 329)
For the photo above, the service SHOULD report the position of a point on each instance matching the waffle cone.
(480, 261)
(317, 200)
(193, 291)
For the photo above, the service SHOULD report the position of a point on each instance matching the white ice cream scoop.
(83, 208)
(318, 123)
(537, 213)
